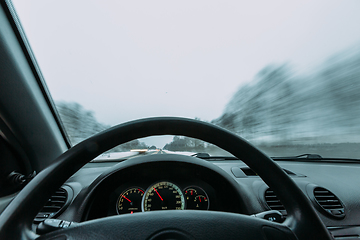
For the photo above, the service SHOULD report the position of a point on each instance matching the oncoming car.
(279, 161)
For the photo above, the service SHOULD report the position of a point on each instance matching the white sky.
(132, 59)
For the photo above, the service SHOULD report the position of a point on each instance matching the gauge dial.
(163, 196)
(196, 198)
(130, 200)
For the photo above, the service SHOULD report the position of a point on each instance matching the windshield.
(284, 75)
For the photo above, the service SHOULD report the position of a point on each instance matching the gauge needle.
(158, 195)
(126, 198)
(200, 199)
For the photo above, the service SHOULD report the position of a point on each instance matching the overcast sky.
(132, 59)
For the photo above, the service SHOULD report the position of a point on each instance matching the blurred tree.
(278, 106)
(342, 84)
(227, 120)
(181, 143)
(80, 124)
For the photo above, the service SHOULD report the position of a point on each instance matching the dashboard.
(160, 185)
(173, 182)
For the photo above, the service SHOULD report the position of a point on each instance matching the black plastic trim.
(30, 57)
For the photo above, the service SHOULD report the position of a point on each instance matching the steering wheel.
(302, 222)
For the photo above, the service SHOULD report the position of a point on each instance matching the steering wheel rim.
(302, 220)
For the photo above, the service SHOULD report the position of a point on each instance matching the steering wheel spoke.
(176, 224)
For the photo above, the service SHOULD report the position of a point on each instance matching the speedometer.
(163, 196)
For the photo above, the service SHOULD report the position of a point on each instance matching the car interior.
(53, 190)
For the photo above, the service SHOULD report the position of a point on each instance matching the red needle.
(126, 198)
(200, 199)
(159, 195)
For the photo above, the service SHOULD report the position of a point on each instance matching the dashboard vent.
(274, 202)
(329, 202)
(250, 172)
(53, 206)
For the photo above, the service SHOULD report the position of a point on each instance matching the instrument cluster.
(163, 195)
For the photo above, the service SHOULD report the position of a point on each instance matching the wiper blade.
(308, 157)
(302, 156)
(207, 156)
(316, 157)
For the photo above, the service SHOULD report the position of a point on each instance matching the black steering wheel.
(302, 222)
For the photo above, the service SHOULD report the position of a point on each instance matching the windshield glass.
(284, 75)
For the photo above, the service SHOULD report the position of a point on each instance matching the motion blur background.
(284, 75)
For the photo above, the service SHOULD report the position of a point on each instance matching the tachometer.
(163, 196)
(130, 200)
